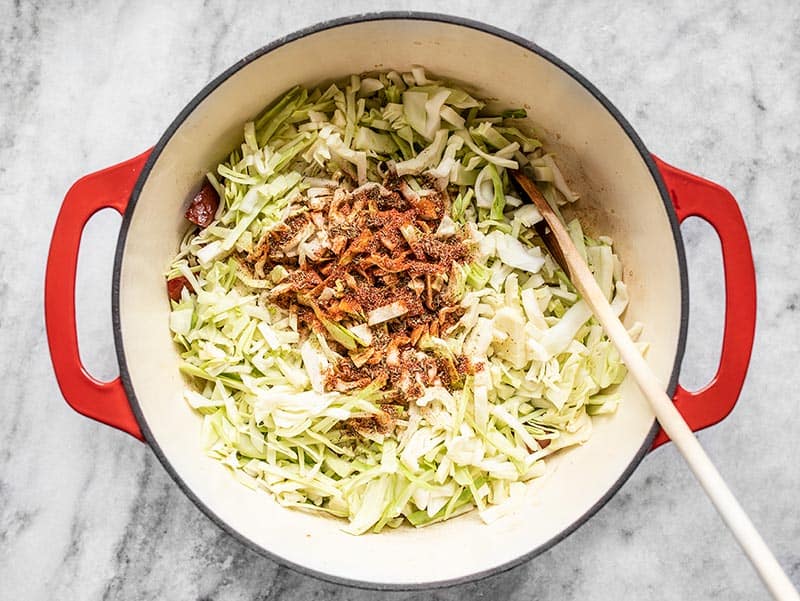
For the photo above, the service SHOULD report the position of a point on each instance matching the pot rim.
(299, 34)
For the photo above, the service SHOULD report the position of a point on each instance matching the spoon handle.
(768, 568)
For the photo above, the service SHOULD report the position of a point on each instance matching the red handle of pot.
(693, 196)
(104, 401)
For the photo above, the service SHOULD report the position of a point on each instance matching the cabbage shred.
(259, 378)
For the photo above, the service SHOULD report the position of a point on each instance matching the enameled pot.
(626, 193)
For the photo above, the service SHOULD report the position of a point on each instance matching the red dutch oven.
(626, 192)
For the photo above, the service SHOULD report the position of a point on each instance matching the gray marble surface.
(88, 513)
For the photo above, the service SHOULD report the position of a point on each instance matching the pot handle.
(693, 196)
(104, 401)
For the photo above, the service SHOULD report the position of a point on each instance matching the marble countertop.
(88, 513)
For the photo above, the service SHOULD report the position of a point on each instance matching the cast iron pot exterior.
(626, 192)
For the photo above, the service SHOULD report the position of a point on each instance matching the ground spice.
(376, 246)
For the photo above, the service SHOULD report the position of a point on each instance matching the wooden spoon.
(566, 254)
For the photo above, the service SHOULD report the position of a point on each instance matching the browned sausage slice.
(176, 285)
(203, 206)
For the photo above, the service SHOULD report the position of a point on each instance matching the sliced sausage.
(176, 285)
(204, 205)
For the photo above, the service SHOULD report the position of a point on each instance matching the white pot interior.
(619, 198)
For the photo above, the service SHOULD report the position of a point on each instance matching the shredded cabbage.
(544, 365)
